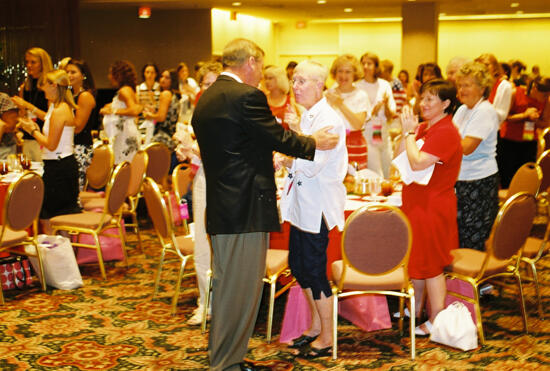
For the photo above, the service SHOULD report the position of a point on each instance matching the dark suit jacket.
(237, 134)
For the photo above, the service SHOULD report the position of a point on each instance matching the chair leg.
(523, 310)
(159, 270)
(413, 324)
(401, 314)
(123, 243)
(40, 267)
(537, 288)
(100, 255)
(334, 322)
(478, 315)
(136, 229)
(178, 286)
(272, 286)
(207, 299)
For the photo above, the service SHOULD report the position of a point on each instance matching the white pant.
(203, 253)
(379, 154)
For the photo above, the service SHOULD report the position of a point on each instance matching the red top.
(520, 103)
(431, 209)
(279, 111)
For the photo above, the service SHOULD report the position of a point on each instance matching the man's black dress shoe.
(247, 366)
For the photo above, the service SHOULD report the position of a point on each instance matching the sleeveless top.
(84, 138)
(65, 146)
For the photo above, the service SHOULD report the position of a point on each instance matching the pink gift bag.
(110, 247)
(297, 317)
(463, 288)
(369, 312)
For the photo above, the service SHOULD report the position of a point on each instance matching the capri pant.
(307, 259)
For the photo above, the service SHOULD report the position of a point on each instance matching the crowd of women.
(477, 126)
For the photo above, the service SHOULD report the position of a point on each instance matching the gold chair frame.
(406, 291)
(524, 181)
(157, 169)
(109, 218)
(156, 203)
(510, 267)
(33, 203)
(134, 191)
(104, 164)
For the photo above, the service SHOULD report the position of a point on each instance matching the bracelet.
(411, 132)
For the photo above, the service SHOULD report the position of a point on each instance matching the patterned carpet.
(115, 325)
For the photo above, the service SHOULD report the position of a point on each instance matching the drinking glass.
(4, 167)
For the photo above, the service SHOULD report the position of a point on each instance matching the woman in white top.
(351, 104)
(56, 138)
(123, 133)
(383, 108)
(477, 185)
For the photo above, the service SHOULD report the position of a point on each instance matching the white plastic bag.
(453, 326)
(60, 267)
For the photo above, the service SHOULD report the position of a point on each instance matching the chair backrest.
(117, 189)
(376, 239)
(527, 179)
(101, 166)
(138, 167)
(24, 201)
(181, 179)
(512, 225)
(159, 161)
(544, 139)
(157, 208)
(544, 162)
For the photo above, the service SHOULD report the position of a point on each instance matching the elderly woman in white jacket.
(313, 202)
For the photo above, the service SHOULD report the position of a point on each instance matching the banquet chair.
(99, 172)
(533, 251)
(544, 140)
(96, 224)
(158, 166)
(502, 256)
(276, 264)
(21, 210)
(376, 245)
(181, 180)
(181, 246)
(527, 178)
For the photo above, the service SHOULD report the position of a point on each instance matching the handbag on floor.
(453, 326)
(15, 272)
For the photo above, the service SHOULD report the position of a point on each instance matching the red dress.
(431, 209)
(279, 111)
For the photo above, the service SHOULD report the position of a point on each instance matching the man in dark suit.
(237, 134)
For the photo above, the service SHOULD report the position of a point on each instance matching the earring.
(84, 78)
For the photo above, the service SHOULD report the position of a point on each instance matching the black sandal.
(302, 340)
(312, 352)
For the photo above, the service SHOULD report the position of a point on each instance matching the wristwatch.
(411, 132)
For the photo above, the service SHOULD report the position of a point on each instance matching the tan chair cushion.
(532, 246)
(98, 204)
(185, 244)
(276, 260)
(12, 237)
(82, 220)
(468, 262)
(355, 280)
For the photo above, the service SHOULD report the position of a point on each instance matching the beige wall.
(167, 38)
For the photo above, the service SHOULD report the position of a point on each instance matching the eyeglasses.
(300, 81)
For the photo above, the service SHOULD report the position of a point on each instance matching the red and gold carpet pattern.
(116, 325)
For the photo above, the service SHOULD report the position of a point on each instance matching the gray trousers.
(238, 265)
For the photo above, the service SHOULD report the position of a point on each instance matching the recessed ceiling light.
(348, 10)
(237, 3)
(410, 1)
(321, 2)
(519, 12)
(514, 5)
(442, 14)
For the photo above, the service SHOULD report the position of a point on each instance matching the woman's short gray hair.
(236, 52)
(313, 69)
(479, 72)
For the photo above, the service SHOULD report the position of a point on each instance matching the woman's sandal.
(421, 332)
(302, 340)
(312, 352)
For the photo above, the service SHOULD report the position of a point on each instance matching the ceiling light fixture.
(237, 3)
(321, 2)
(348, 10)
(514, 5)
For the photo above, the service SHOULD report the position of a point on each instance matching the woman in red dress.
(431, 208)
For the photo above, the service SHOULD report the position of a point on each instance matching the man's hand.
(325, 140)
